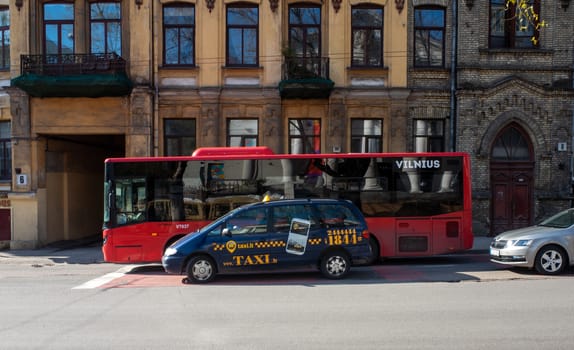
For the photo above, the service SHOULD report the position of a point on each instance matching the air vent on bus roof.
(232, 151)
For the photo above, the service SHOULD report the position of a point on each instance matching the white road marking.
(100, 281)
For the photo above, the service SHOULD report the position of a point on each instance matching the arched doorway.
(511, 180)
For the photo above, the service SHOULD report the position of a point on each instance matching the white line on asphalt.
(100, 281)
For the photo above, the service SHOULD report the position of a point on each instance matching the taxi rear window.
(337, 215)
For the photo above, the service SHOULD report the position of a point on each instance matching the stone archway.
(511, 179)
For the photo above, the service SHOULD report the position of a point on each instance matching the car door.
(244, 242)
(294, 226)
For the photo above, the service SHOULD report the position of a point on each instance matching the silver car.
(548, 247)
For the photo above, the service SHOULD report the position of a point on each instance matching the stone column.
(139, 130)
(21, 139)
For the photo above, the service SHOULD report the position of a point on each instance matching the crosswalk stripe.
(100, 281)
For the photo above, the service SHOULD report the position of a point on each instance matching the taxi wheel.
(200, 269)
(375, 250)
(550, 260)
(335, 264)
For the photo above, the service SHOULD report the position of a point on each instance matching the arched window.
(511, 145)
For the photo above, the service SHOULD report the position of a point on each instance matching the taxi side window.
(216, 231)
(282, 216)
(248, 221)
(337, 215)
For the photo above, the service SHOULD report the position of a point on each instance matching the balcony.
(73, 75)
(306, 77)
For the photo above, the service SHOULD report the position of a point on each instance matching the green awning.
(95, 85)
(306, 88)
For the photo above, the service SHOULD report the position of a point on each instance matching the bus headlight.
(170, 251)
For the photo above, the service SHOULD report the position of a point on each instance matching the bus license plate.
(494, 252)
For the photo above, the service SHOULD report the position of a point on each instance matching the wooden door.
(5, 225)
(511, 199)
(511, 180)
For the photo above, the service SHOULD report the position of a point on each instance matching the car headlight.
(521, 242)
(170, 251)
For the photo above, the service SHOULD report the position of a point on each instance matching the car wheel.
(550, 260)
(200, 269)
(335, 265)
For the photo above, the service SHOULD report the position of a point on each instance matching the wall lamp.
(19, 4)
(138, 2)
(564, 4)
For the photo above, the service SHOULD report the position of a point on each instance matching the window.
(305, 31)
(5, 152)
(242, 132)
(304, 136)
(249, 221)
(367, 36)
(4, 38)
(429, 135)
(179, 137)
(179, 34)
(283, 214)
(366, 135)
(58, 28)
(106, 27)
(429, 37)
(242, 35)
(511, 145)
(507, 30)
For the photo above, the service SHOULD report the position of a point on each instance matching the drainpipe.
(454, 44)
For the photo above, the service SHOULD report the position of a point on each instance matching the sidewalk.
(89, 251)
(82, 251)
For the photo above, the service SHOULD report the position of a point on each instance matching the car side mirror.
(226, 232)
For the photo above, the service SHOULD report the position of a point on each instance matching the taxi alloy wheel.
(200, 269)
(335, 265)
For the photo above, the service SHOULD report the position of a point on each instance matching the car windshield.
(561, 220)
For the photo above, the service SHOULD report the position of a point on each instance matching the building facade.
(98, 79)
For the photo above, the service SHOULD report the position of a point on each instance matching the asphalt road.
(70, 299)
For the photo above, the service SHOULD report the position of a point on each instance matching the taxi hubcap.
(336, 265)
(202, 270)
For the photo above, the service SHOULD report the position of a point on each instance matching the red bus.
(416, 204)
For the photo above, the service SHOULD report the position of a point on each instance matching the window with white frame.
(429, 135)
(366, 135)
(304, 136)
(242, 132)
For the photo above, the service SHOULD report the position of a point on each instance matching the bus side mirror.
(226, 232)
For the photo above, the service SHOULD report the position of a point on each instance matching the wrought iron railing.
(306, 68)
(72, 64)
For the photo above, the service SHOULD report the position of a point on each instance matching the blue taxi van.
(327, 234)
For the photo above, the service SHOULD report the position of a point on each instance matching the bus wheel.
(200, 269)
(335, 264)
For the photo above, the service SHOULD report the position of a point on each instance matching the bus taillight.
(366, 234)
